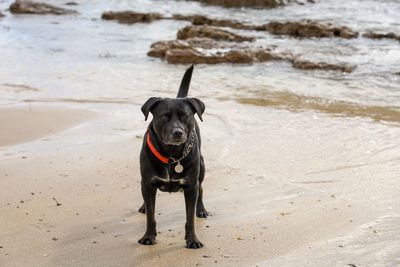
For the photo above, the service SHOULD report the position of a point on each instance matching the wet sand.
(24, 124)
(291, 189)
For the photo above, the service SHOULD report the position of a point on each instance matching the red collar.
(162, 158)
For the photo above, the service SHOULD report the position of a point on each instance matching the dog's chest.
(169, 187)
(172, 182)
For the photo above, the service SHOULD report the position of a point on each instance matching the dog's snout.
(175, 136)
(177, 133)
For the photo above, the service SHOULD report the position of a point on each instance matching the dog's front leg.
(149, 196)
(191, 195)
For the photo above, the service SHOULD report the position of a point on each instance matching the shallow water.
(82, 61)
(83, 57)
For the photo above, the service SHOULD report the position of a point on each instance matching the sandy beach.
(24, 124)
(300, 195)
(302, 167)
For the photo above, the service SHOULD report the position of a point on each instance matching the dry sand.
(283, 189)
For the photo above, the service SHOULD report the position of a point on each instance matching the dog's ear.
(149, 105)
(197, 105)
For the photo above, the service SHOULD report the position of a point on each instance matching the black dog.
(171, 158)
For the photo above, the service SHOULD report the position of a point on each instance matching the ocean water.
(83, 58)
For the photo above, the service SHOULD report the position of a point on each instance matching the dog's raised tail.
(185, 83)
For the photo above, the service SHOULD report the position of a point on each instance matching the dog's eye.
(184, 117)
(166, 116)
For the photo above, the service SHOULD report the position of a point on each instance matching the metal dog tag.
(178, 168)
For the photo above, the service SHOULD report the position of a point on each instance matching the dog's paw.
(148, 240)
(202, 213)
(193, 243)
(142, 209)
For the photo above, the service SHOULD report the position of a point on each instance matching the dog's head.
(173, 118)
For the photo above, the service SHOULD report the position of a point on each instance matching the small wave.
(18, 88)
(297, 103)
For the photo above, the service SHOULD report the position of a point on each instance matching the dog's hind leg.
(200, 210)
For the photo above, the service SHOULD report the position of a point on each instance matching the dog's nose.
(177, 133)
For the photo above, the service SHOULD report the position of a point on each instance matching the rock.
(71, 4)
(203, 20)
(210, 32)
(304, 28)
(176, 56)
(207, 43)
(307, 65)
(253, 3)
(263, 55)
(159, 49)
(374, 35)
(28, 7)
(1, 15)
(244, 3)
(186, 52)
(181, 52)
(239, 56)
(309, 29)
(185, 56)
(131, 17)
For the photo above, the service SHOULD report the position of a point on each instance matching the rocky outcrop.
(176, 56)
(253, 3)
(308, 65)
(309, 29)
(192, 56)
(374, 35)
(201, 43)
(244, 3)
(188, 52)
(184, 52)
(159, 49)
(131, 17)
(203, 20)
(210, 32)
(304, 29)
(29, 7)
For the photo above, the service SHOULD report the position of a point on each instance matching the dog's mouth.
(173, 141)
